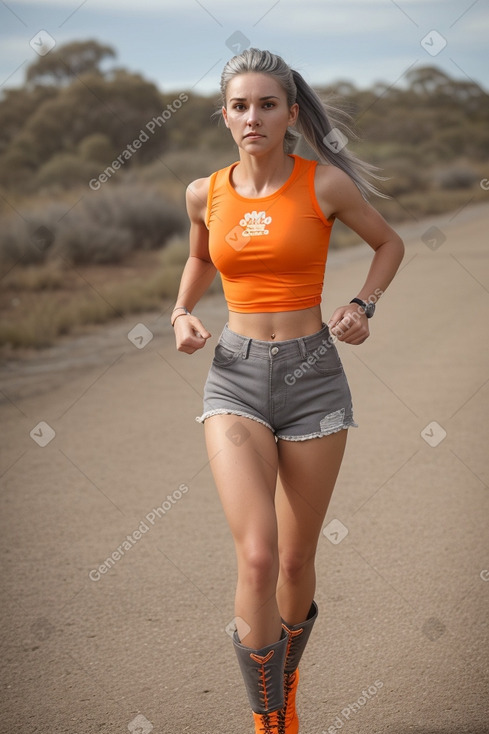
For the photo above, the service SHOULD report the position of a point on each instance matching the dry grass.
(102, 227)
(416, 205)
(49, 276)
(41, 304)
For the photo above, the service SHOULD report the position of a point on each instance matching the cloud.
(311, 17)
(344, 13)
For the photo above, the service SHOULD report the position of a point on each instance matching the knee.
(295, 564)
(258, 565)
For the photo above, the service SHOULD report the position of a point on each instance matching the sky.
(184, 44)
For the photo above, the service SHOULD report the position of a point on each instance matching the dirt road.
(118, 568)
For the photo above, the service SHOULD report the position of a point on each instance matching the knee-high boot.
(263, 674)
(297, 637)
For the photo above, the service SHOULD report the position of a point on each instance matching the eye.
(269, 105)
(238, 106)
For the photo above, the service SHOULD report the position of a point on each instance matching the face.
(257, 113)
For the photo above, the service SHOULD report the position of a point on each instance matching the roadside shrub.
(15, 171)
(404, 176)
(27, 239)
(175, 253)
(456, 177)
(35, 278)
(65, 170)
(101, 228)
(82, 241)
(140, 210)
(97, 147)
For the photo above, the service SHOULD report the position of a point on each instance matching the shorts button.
(274, 350)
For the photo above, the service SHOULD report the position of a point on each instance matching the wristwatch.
(368, 308)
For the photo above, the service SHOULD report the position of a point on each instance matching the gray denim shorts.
(297, 387)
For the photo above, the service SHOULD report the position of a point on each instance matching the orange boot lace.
(288, 714)
(271, 723)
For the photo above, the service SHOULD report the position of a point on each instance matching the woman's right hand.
(190, 333)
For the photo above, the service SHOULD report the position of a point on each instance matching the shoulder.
(198, 192)
(198, 187)
(329, 176)
(335, 189)
(196, 198)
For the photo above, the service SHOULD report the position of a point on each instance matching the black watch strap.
(368, 308)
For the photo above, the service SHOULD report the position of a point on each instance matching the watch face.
(367, 308)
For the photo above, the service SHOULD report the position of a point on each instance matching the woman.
(277, 404)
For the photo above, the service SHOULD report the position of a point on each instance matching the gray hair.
(316, 121)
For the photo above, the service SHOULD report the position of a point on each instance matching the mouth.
(254, 135)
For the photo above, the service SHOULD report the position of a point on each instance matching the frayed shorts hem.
(317, 435)
(283, 437)
(225, 411)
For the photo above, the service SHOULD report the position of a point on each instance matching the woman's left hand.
(349, 324)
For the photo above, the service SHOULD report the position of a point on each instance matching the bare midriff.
(276, 326)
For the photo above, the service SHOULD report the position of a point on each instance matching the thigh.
(308, 471)
(243, 459)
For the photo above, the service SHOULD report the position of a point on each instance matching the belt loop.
(245, 349)
(302, 347)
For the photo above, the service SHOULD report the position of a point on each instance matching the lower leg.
(258, 619)
(295, 591)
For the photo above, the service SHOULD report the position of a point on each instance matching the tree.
(61, 66)
(117, 108)
(428, 81)
(17, 106)
(96, 147)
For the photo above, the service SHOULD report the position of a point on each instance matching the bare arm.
(198, 273)
(338, 196)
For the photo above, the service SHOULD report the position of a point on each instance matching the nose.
(253, 117)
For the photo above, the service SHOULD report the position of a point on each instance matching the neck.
(258, 174)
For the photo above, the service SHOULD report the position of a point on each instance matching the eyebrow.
(262, 99)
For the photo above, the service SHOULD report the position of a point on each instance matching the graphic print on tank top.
(255, 223)
(252, 224)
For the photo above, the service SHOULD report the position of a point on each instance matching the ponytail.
(316, 122)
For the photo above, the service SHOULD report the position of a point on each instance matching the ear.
(225, 116)
(293, 114)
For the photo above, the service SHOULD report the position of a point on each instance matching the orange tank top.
(271, 252)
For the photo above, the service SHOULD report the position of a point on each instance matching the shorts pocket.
(223, 356)
(325, 360)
